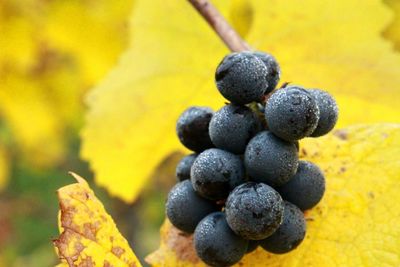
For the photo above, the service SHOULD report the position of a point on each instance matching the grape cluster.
(244, 186)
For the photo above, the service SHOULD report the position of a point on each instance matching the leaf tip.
(78, 178)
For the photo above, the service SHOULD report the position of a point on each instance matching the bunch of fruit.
(244, 185)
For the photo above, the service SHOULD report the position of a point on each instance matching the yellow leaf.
(335, 45)
(89, 236)
(83, 29)
(392, 32)
(355, 224)
(51, 52)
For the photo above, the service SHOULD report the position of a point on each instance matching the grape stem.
(219, 24)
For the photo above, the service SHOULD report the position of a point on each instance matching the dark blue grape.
(215, 173)
(270, 160)
(289, 234)
(292, 113)
(183, 168)
(185, 209)
(242, 78)
(328, 112)
(232, 127)
(254, 210)
(216, 244)
(306, 188)
(273, 70)
(192, 128)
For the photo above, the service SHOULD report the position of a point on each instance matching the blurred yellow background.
(51, 54)
(163, 55)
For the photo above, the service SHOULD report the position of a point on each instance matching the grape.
(185, 209)
(215, 173)
(270, 160)
(192, 128)
(292, 113)
(242, 78)
(250, 146)
(216, 244)
(273, 70)
(183, 167)
(306, 188)
(328, 112)
(289, 234)
(232, 127)
(254, 210)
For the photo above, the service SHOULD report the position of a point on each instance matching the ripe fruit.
(242, 78)
(192, 128)
(249, 139)
(232, 127)
(289, 234)
(216, 244)
(270, 160)
(292, 113)
(215, 173)
(254, 210)
(183, 168)
(328, 112)
(273, 70)
(306, 188)
(185, 209)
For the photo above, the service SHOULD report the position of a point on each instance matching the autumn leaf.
(51, 52)
(355, 224)
(335, 45)
(89, 236)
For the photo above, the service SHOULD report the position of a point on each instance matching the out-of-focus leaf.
(335, 45)
(89, 236)
(355, 224)
(392, 32)
(51, 52)
(94, 32)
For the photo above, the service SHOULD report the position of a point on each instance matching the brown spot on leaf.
(67, 213)
(309, 219)
(371, 194)
(117, 251)
(86, 262)
(107, 264)
(341, 134)
(90, 230)
(79, 247)
(342, 169)
(103, 218)
(182, 244)
(62, 245)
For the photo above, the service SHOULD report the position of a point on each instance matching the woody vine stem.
(219, 24)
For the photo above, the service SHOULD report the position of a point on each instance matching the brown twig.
(228, 35)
